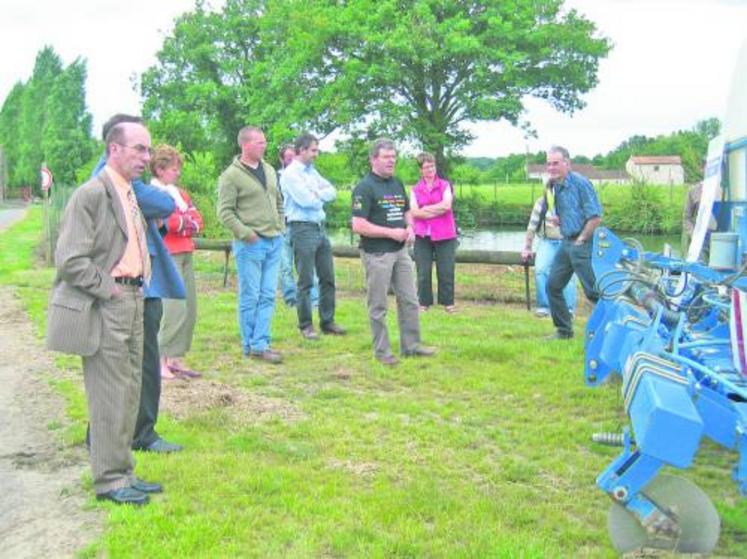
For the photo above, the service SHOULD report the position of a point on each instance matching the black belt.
(136, 282)
(315, 223)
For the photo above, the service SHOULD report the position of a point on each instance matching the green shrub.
(642, 210)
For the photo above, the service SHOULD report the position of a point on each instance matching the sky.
(671, 64)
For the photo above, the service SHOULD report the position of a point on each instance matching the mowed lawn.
(481, 451)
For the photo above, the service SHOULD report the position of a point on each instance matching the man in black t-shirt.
(381, 216)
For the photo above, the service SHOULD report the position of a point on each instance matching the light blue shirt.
(305, 192)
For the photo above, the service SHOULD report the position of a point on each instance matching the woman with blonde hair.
(179, 315)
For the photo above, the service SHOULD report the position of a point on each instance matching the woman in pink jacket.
(435, 234)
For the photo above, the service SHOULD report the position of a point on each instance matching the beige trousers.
(179, 315)
(395, 269)
(112, 378)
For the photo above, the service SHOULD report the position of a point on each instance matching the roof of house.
(589, 171)
(656, 159)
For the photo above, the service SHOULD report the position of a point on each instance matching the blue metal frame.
(672, 351)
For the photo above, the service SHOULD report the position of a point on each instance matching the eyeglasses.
(139, 148)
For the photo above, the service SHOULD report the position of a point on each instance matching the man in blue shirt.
(306, 192)
(573, 206)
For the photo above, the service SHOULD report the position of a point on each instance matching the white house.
(596, 176)
(656, 169)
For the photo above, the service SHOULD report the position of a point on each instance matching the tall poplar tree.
(66, 139)
(10, 118)
(45, 120)
(47, 68)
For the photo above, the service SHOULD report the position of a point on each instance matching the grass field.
(481, 451)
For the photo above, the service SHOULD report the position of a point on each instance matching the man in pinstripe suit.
(96, 307)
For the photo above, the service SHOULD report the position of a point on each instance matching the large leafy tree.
(196, 94)
(418, 70)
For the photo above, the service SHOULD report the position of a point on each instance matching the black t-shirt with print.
(382, 202)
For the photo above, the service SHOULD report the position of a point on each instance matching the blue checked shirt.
(576, 202)
(305, 192)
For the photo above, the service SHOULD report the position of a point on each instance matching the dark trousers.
(445, 254)
(312, 251)
(570, 258)
(150, 393)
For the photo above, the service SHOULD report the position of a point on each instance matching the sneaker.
(267, 355)
(542, 313)
(420, 351)
(309, 334)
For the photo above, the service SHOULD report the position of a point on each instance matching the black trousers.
(444, 252)
(312, 252)
(570, 258)
(150, 393)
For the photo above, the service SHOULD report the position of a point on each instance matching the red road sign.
(46, 179)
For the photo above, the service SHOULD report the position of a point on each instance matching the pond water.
(512, 239)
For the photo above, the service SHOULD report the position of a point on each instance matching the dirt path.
(42, 503)
(8, 216)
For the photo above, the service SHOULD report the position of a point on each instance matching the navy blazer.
(165, 281)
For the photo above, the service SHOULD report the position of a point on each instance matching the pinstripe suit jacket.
(92, 239)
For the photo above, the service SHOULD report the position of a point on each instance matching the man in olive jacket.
(251, 207)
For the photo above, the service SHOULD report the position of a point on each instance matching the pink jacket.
(438, 228)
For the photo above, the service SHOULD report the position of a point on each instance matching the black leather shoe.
(124, 496)
(146, 487)
(162, 447)
(334, 329)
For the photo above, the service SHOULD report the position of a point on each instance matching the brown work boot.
(334, 329)
(388, 360)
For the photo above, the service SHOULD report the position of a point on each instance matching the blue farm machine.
(672, 331)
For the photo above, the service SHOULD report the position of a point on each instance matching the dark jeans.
(570, 258)
(445, 253)
(312, 251)
(150, 393)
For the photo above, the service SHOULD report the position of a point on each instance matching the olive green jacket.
(245, 206)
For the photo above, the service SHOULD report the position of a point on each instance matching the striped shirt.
(546, 230)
